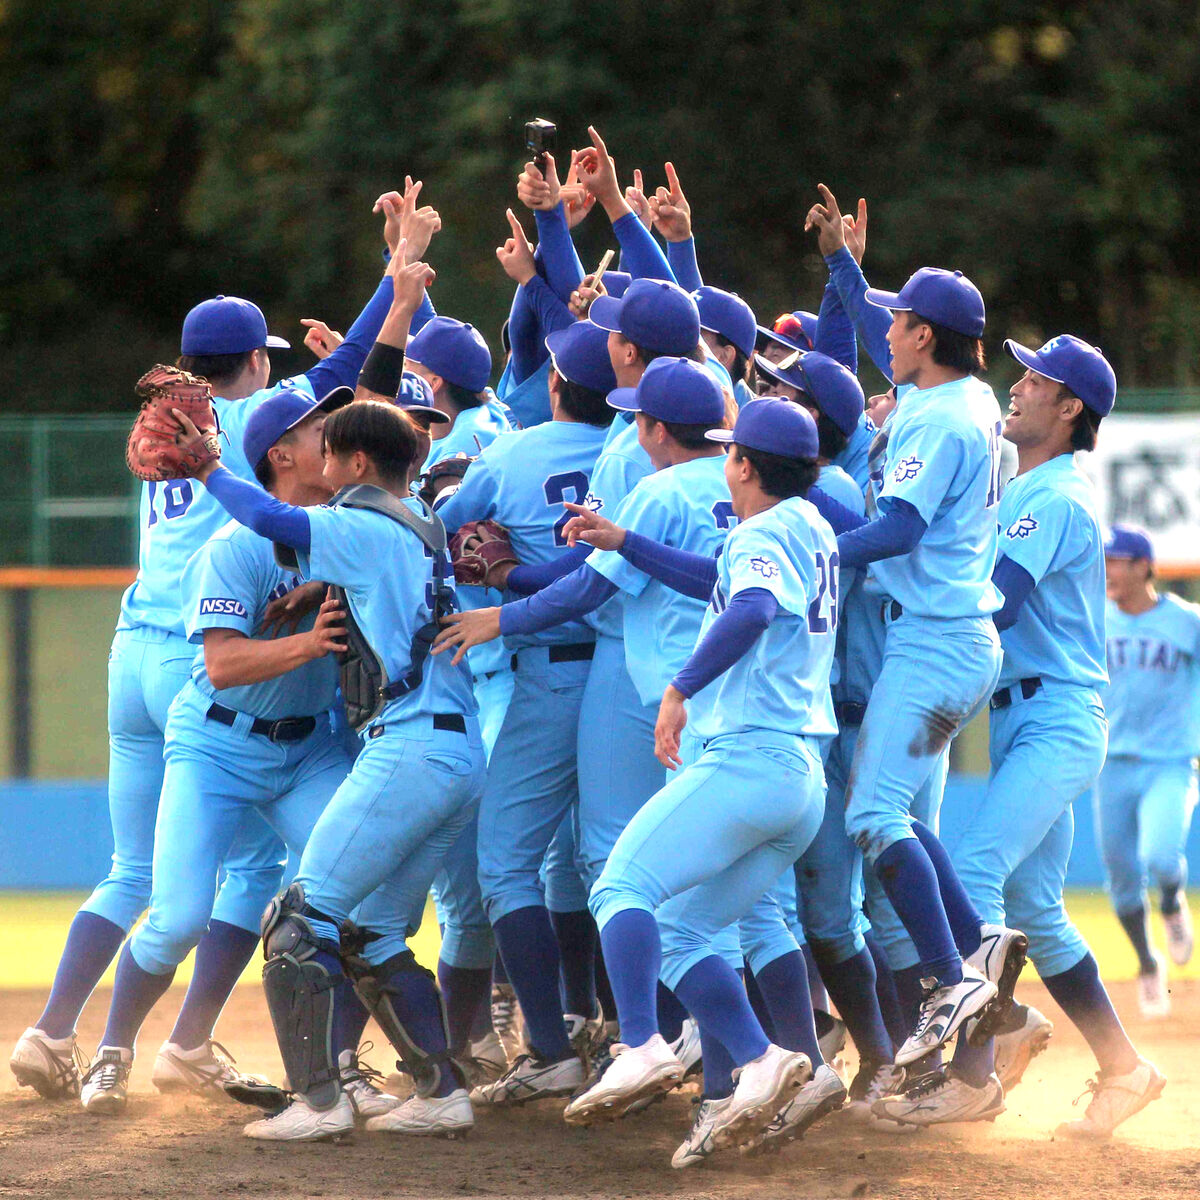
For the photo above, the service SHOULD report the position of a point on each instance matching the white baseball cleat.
(360, 1083)
(635, 1073)
(585, 1034)
(1000, 959)
(1115, 1098)
(686, 1047)
(487, 1058)
(529, 1079)
(833, 1041)
(700, 1145)
(51, 1066)
(873, 1082)
(207, 1070)
(300, 1122)
(761, 1088)
(428, 1116)
(1154, 998)
(1180, 937)
(106, 1081)
(1016, 1047)
(508, 1021)
(943, 1012)
(941, 1098)
(822, 1094)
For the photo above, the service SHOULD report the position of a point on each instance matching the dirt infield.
(191, 1148)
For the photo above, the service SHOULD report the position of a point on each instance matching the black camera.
(540, 138)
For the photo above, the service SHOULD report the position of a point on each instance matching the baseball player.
(249, 731)
(1048, 737)
(728, 328)
(225, 340)
(1147, 791)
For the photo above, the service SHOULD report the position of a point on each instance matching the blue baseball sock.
(671, 1014)
(851, 984)
(783, 983)
(416, 999)
(816, 983)
(909, 879)
(961, 912)
(465, 991)
(221, 957)
(909, 992)
(886, 993)
(973, 1063)
(1137, 928)
(530, 952)
(576, 933)
(91, 943)
(350, 1017)
(715, 996)
(499, 974)
(604, 995)
(1081, 995)
(633, 956)
(718, 1067)
(135, 993)
(1169, 903)
(759, 1004)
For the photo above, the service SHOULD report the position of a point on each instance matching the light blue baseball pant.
(562, 874)
(531, 781)
(618, 772)
(772, 927)
(1012, 858)
(466, 932)
(146, 669)
(937, 674)
(723, 830)
(387, 830)
(1143, 814)
(217, 778)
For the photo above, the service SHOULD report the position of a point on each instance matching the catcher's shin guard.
(376, 988)
(300, 991)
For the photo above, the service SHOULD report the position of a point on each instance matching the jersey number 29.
(822, 612)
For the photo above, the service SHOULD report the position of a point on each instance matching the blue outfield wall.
(56, 835)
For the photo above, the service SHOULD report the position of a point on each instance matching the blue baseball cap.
(616, 283)
(674, 389)
(944, 297)
(227, 325)
(1127, 541)
(454, 350)
(580, 353)
(416, 396)
(283, 411)
(833, 388)
(793, 331)
(774, 427)
(1072, 362)
(727, 314)
(653, 314)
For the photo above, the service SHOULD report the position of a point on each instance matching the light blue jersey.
(1048, 526)
(618, 470)
(834, 481)
(1153, 696)
(782, 682)
(943, 458)
(177, 517)
(228, 584)
(853, 458)
(385, 570)
(473, 429)
(521, 481)
(686, 506)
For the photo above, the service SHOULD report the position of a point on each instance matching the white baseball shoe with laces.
(1115, 1098)
(106, 1081)
(943, 1012)
(51, 1066)
(635, 1073)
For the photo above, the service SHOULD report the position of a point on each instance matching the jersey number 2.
(556, 489)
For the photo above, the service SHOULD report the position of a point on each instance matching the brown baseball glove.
(477, 549)
(157, 448)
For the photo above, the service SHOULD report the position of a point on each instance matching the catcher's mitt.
(157, 449)
(477, 548)
(448, 473)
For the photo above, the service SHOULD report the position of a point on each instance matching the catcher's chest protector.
(364, 682)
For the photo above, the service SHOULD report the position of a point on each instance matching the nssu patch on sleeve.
(1022, 527)
(224, 606)
(765, 567)
(908, 468)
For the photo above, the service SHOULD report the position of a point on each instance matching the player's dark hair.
(832, 439)
(690, 437)
(263, 471)
(779, 476)
(1086, 427)
(381, 432)
(741, 364)
(583, 404)
(462, 397)
(648, 356)
(957, 351)
(218, 369)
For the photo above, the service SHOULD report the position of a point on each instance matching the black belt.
(573, 652)
(286, 729)
(449, 722)
(1006, 696)
(893, 609)
(848, 713)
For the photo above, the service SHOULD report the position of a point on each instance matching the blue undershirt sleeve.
(564, 271)
(841, 519)
(872, 323)
(527, 579)
(835, 330)
(640, 253)
(550, 312)
(523, 336)
(249, 505)
(729, 637)
(694, 575)
(1016, 584)
(341, 368)
(681, 256)
(898, 532)
(567, 599)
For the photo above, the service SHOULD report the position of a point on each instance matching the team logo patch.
(1022, 527)
(224, 606)
(907, 468)
(765, 567)
(593, 502)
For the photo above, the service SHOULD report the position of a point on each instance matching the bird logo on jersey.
(1022, 527)
(764, 566)
(907, 468)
